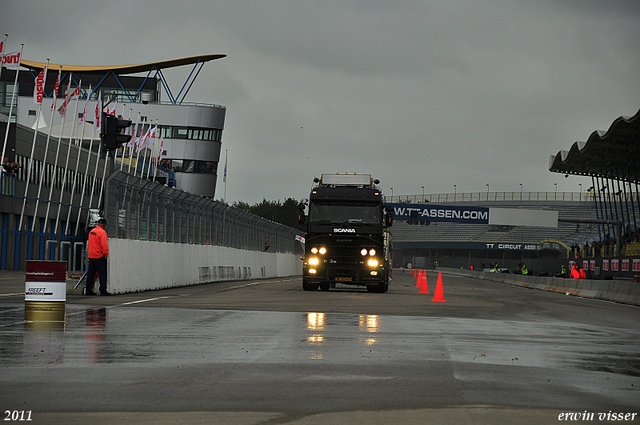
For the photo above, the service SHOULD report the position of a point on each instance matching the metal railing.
(491, 196)
(145, 210)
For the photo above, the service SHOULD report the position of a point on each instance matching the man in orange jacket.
(98, 247)
(575, 274)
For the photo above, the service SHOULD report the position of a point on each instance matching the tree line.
(281, 212)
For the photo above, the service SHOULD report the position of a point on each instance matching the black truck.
(348, 240)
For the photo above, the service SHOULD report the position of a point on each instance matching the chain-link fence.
(145, 210)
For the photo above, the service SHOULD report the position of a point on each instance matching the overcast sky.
(416, 93)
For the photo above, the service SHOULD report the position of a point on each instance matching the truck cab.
(348, 240)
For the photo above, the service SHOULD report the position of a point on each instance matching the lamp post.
(580, 185)
(521, 191)
(455, 192)
(391, 194)
(422, 194)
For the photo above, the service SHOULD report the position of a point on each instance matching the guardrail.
(493, 196)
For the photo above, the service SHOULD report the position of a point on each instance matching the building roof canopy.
(611, 154)
(124, 69)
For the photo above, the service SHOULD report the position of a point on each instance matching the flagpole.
(55, 161)
(4, 49)
(33, 147)
(124, 148)
(133, 143)
(86, 170)
(226, 153)
(98, 113)
(75, 173)
(13, 96)
(66, 164)
(151, 151)
(46, 152)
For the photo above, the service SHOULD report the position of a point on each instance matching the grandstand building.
(192, 133)
(46, 201)
(597, 229)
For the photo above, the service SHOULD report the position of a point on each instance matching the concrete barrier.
(135, 266)
(620, 291)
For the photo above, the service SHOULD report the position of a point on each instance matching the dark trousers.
(98, 265)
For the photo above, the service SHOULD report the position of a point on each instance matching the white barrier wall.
(620, 291)
(135, 266)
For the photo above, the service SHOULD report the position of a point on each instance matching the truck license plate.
(344, 279)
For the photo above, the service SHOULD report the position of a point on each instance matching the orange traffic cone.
(414, 272)
(438, 296)
(424, 288)
(418, 277)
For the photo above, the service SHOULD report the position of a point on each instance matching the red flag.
(97, 119)
(161, 146)
(63, 108)
(38, 88)
(55, 89)
(111, 110)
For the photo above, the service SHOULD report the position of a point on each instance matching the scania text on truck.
(348, 240)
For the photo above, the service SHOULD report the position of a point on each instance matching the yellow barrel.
(44, 311)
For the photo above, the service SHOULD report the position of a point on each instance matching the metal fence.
(492, 196)
(145, 210)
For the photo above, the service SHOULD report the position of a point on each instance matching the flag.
(69, 96)
(111, 110)
(152, 135)
(55, 90)
(11, 60)
(38, 88)
(84, 111)
(142, 141)
(161, 146)
(97, 124)
(133, 142)
(224, 177)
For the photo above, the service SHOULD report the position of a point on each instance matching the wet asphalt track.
(269, 352)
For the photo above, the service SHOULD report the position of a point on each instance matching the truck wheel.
(307, 286)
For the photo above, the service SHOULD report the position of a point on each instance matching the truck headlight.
(372, 252)
(363, 252)
(314, 261)
(322, 250)
(372, 262)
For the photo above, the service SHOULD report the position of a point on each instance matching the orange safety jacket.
(98, 244)
(575, 274)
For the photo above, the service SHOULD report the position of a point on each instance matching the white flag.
(11, 60)
(161, 146)
(111, 110)
(142, 141)
(38, 88)
(69, 96)
(135, 134)
(84, 111)
(56, 88)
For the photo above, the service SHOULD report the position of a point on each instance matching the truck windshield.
(353, 214)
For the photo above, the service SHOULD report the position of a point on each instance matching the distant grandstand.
(598, 228)
(490, 243)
